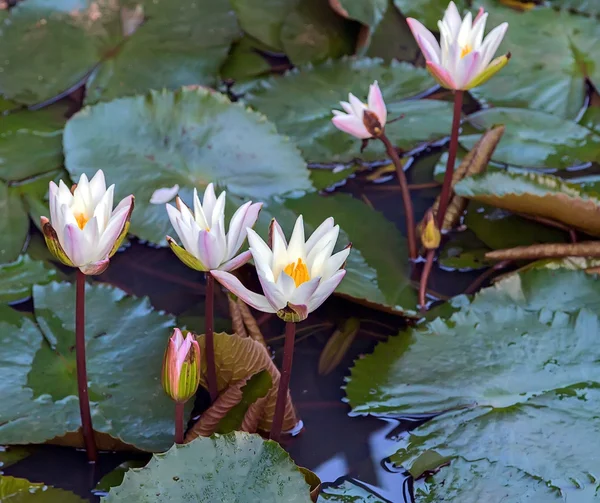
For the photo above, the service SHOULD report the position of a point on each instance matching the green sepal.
(185, 256)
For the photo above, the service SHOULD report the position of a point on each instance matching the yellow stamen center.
(81, 219)
(298, 272)
(465, 50)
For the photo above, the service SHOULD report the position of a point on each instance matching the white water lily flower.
(84, 231)
(164, 194)
(463, 59)
(206, 246)
(355, 122)
(296, 278)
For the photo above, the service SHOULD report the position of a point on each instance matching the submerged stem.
(82, 386)
(425, 278)
(447, 186)
(284, 381)
(406, 200)
(211, 371)
(179, 410)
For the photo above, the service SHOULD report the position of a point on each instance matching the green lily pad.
(535, 139)
(552, 54)
(429, 12)
(115, 477)
(476, 481)
(126, 340)
(188, 137)
(498, 228)
(31, 142)
(17, 278)
(14, 224)
(235, 467)
(367, 12)
(542, 195)
(245, 61)
(22, 491)
(377, 267)
(349, 491)
(506, 373)
(312, 32)
(464, 251)
(48, 47)
(318, 90)
(11, 455)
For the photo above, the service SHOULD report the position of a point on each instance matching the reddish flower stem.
(82, 386)
(447, 186)
(284, 381)
(211, 371)
(406, 200)
(179, 410)
(425, 278)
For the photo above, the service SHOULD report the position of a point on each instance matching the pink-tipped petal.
(75, 246)
(422, 34)
(442, 76)
(491, 43)
(208, 250)
(469, 67)
(325, 289)
(480, 13)
(236, 262)
(273, 294)
(235, 286)
(95, 268)
(351, 125)
(376, 103)
(428, 52)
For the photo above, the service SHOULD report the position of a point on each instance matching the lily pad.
(349, 491)
(506, 373)
(236, 467)
(11, 455)
(312, 32)
(22, 491)
(14, 224)
(542, 195)
(553, 52)
(429, 12)
(317, 90)
(463, 251)
(18, 278)
(245, 62)
(535, 139)
(367, 12)
(377, 267)
(31, 142)
(189, 138)
(125, 346)
(46, 48)
(498, 228)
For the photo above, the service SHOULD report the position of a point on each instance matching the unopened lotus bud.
(430, 234)
(181, 367)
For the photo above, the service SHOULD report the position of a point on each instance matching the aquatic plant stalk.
(284, 381)
(425, 278)
(211, 371)
(179, 412)
(406, 200)
(447, 185)
(82, 386)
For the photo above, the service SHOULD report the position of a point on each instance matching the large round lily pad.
(17, 278)
(237, 468)
(187, 137)
(125, 339)
(514, 376)
(316, 91)
(535, 139)
(47, 47)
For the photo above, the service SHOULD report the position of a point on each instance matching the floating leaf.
(190, 138)
(31, 142)
(542, 195)
(312, 32)
(349, 491)
(245, 61)
(536, 139)
(14, 224)
(377, 265)
(337, 346)
(47, 48)
(238, 358)
(429, 12)
(11, 455)
(553, 52)
(234, 467)
(17, 278)
(367, 12)
(230, 410)
(125, 347)
(463, 251)
(317, 90)
(22, 491)
(507, 372)
(115, 477)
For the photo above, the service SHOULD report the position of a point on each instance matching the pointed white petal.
(352, 125)
(296, 246)
(491, 43)
(465, 30)
(452, 19)
(75, 245)
(424, 36)
(164, 194)
(376, 103)
(324, 290)
(286, 285)
(208, 250)
(334, 263)
(208, 202)
(235, 286)
(97, 187)
(347, 107)
(272, 292)
(478, 31)
(305, 291)
(112, 232)
(262, 254)
(358, 106)
(236, 262)
(218, 212)
(319, 232)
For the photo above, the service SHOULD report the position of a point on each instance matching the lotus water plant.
(207, 247)
(84, 231)
(365, 122)
(296, 278)
(463, 59)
